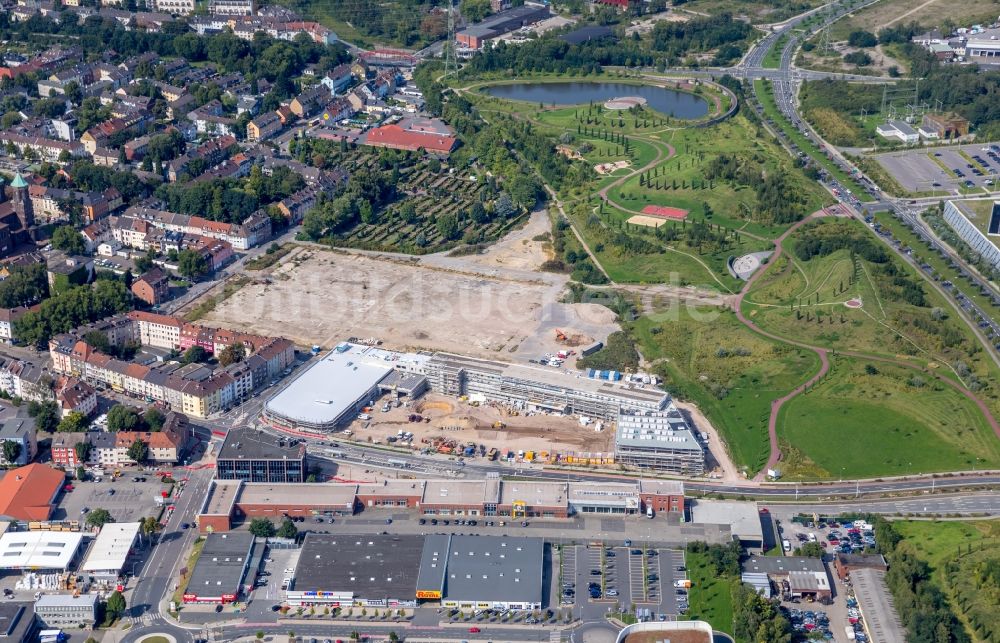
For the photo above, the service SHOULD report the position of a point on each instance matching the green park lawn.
(886, 325)
(710, 596)
(856, 424)
(707, 356)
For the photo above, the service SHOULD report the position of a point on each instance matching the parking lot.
(125, 499)
(948, 169)
(597, 579)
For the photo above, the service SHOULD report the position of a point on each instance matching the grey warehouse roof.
(220, 567)
(782, 565)
(483, 568)
(247, 444)
(370, 566)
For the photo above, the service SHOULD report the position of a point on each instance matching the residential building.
(264, 127)
(64, 450)
(175, 7)
(338, 79)
(232, 7)
(20, 431)
(310, 101)
(153, 287)
(8, 316)
(75, 396)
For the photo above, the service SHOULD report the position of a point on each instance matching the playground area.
(608, 168)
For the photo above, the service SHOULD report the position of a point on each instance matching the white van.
(649, 512)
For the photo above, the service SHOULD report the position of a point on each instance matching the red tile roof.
(26, 493)
(396, 137)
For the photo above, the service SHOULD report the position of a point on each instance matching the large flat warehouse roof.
(368, 566)
(485, 568)
(333, 384)
(38, 549)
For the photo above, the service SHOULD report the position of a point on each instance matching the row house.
(25, 380)
(256, 229)
(264, 127)
(193, 389)
(232, 168)
(75, 396)
(175, 7)
(46, 149)
(212, 152)
(295, 207)
(310, 101)
(210, 119)
(48, 203)
(64, 450)
(102, 134)
(232, 7)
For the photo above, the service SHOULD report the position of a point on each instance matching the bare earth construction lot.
(493, 305)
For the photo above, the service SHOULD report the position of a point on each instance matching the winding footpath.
(823, 354)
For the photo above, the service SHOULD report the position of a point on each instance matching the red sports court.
(665, 212)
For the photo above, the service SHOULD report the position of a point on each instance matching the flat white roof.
(742, 517)
(111, 547)
(38, 549)
(333, 384)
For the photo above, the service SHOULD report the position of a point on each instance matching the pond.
(665, 101)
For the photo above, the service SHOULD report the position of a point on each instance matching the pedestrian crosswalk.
(145, 619)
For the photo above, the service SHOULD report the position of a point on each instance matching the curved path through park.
(823, 354)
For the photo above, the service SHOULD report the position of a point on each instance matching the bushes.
(619, 354)
(920, 602)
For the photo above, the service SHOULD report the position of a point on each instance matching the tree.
(74, 422)
(150, 526)
(447, 226)
(262, 528)
(11, 452)
(862, 38)
(153, 418)
(191, 264)
(82, 450)
(46, 415)
(137, 451)
(233, 354)
(116, 604)
(195, 354)
(99, 518)
(287, 529)
(122, 418)
(67, 239)
(811, 550)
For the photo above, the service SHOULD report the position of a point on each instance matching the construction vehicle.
(560, 336)
(493, 453)
(529, 456)
(499, 425)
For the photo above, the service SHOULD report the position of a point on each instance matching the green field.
(758, 11)
(856, 424)
(710, 596)
(886, 325)
(707, 356)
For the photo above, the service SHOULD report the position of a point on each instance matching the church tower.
(21, 202)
